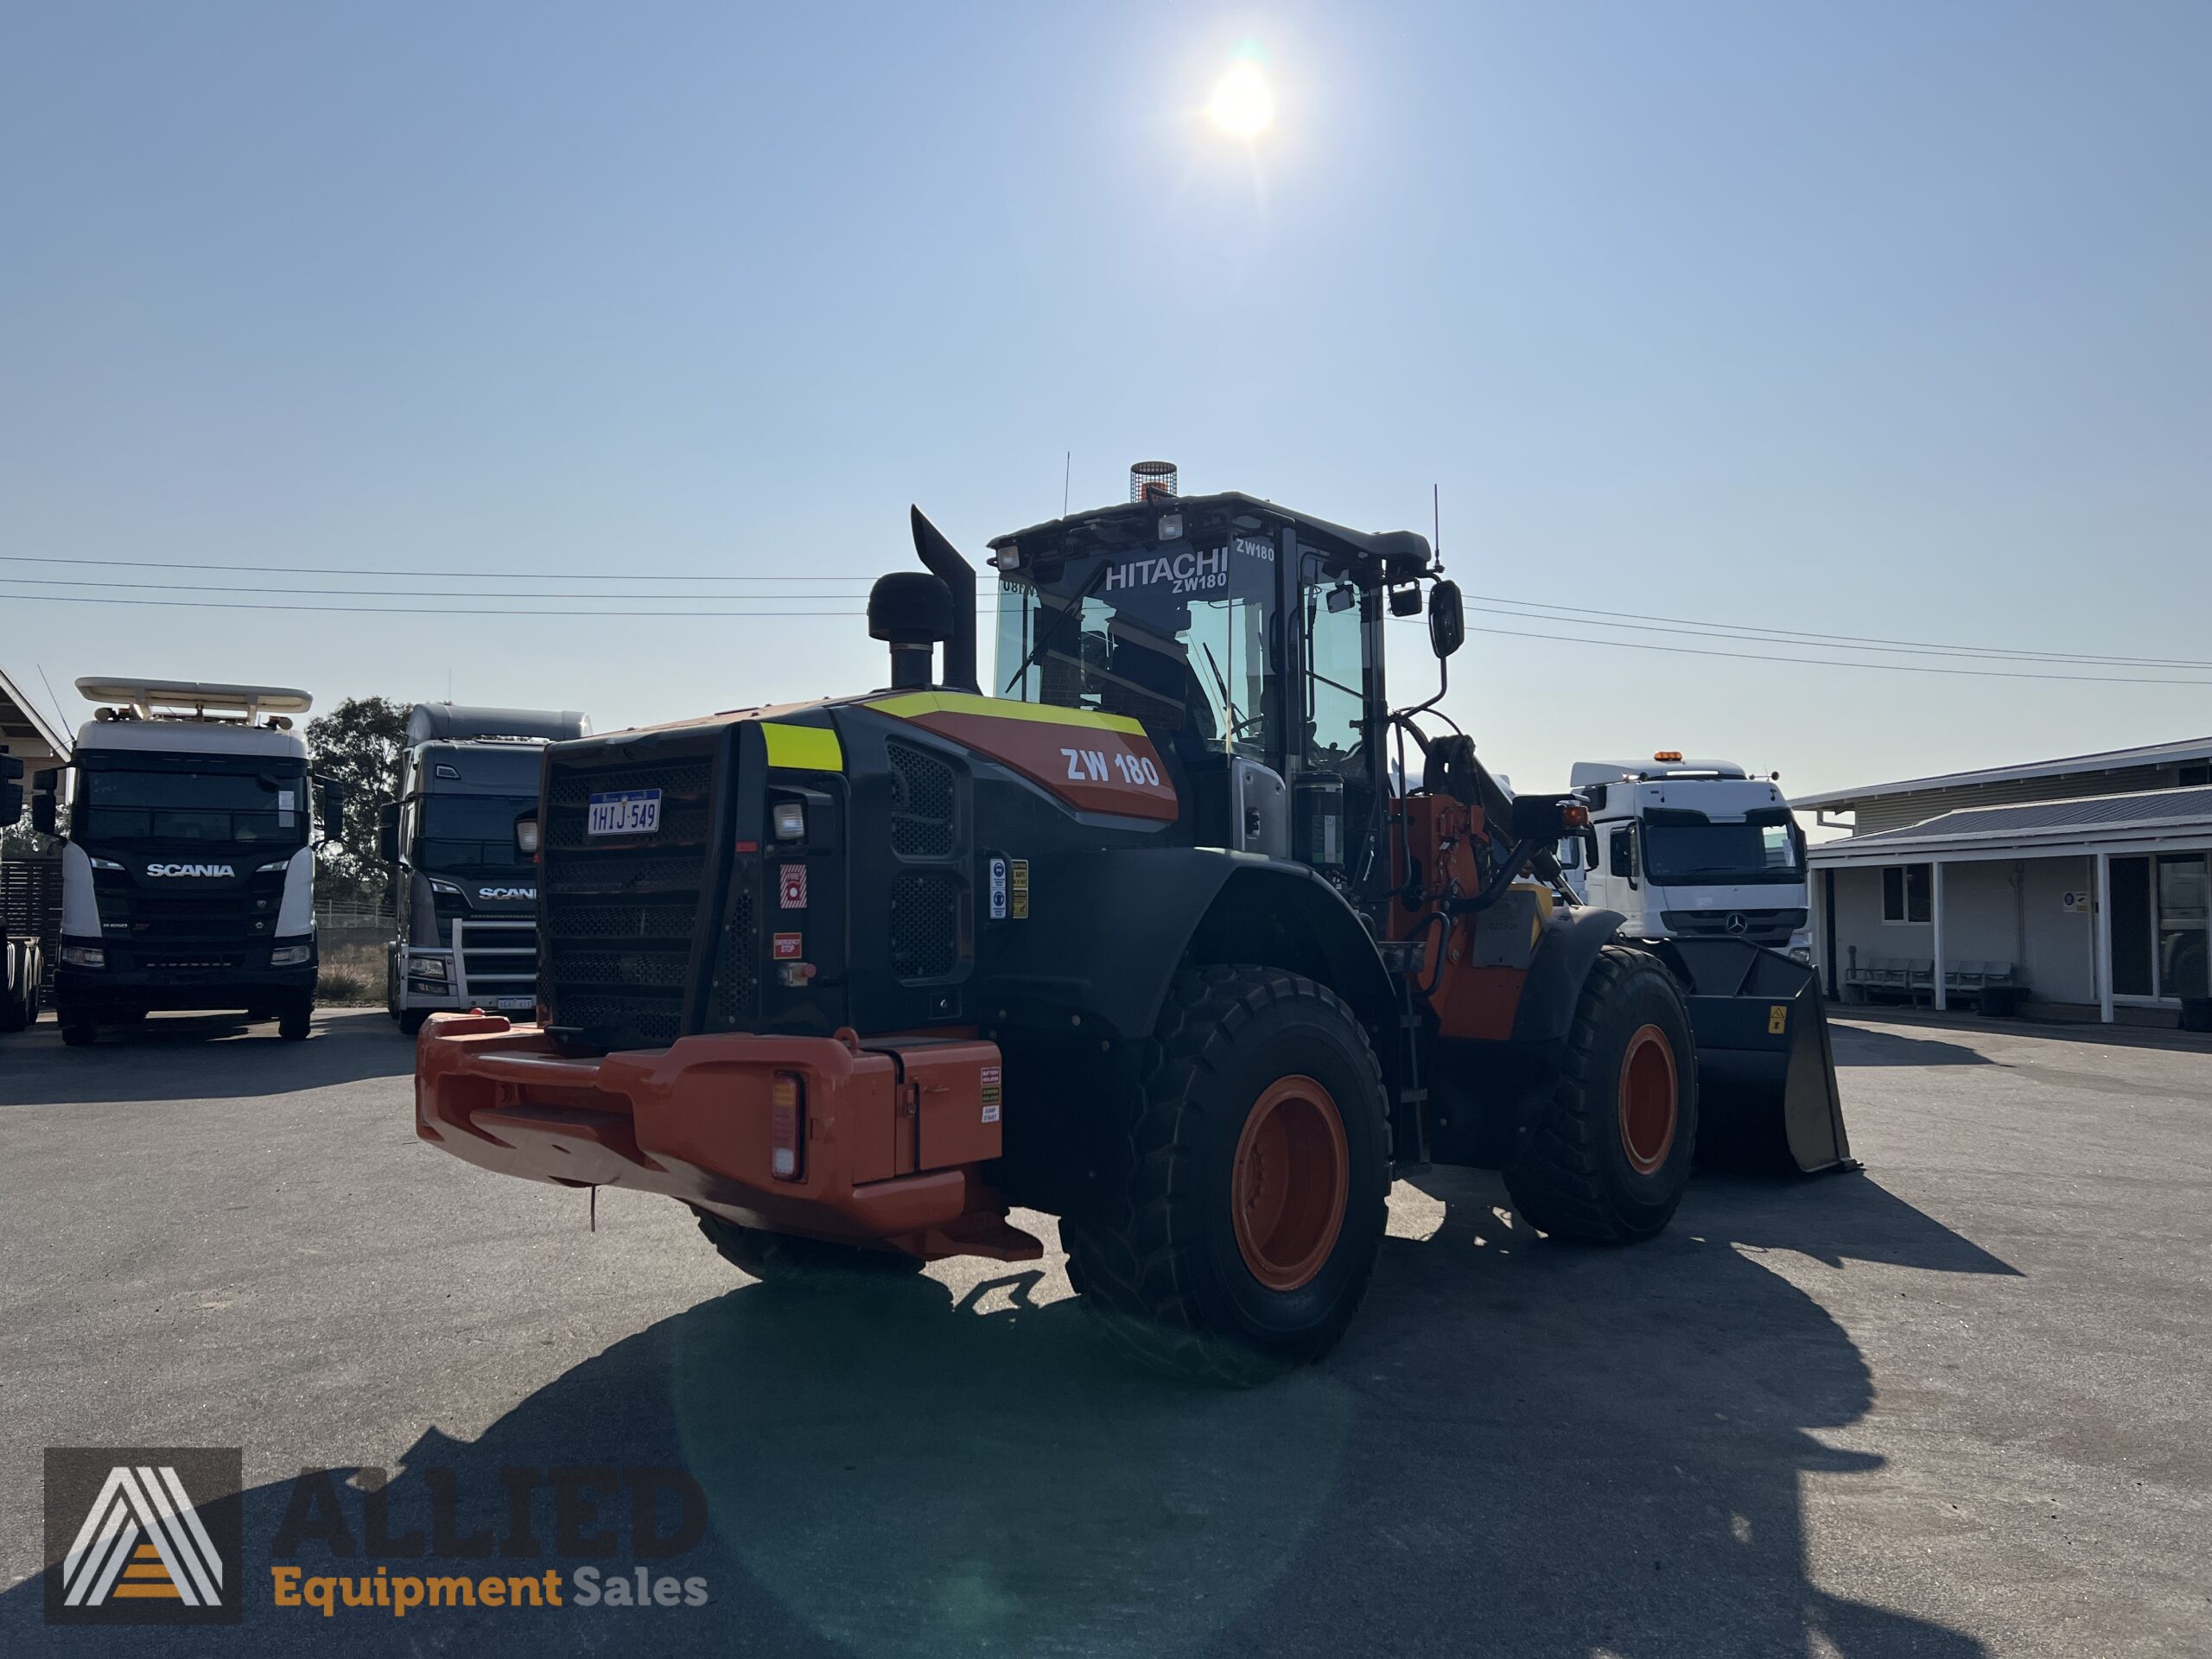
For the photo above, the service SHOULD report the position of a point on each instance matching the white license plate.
(526, 1004)
(624, 812)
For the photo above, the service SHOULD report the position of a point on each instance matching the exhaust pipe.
(959, 577)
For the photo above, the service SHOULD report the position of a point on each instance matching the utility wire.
(1573, 615)
(333, 571)
(774, 616)
(1645, 622)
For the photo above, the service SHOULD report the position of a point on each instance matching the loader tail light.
(787, 1127)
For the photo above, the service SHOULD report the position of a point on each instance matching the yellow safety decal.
(1778, 1019)
(909, 705)
(803, 749)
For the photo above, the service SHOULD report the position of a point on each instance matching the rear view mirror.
(44, 787)
(526, 834)
(1448, 622)
(330, 804)
(388, 832)
(1621, 860)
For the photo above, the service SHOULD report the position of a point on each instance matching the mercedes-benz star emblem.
(1735, 922)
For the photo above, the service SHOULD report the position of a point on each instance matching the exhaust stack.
(959, 579)
(1155, 480)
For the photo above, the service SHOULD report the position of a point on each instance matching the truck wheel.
(1237, 1234)
(783, 1257)
(294, 1019)
(410, 1021)
(1606, 1157)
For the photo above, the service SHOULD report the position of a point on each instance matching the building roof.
(2153, 818)
(2086, 765)
(25, 732)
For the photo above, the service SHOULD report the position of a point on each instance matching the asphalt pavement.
(1960, 1403)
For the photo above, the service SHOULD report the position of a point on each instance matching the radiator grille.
(736, 964)
(620, 911)
(921, 803)
(925, 924)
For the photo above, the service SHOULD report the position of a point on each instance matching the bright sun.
(1242, 107)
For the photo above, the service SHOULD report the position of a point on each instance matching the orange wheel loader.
(1172, 927)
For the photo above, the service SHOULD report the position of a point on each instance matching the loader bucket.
(1765, 1067)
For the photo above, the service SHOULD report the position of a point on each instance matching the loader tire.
(782, 1258)
(1608, 1153)
(1235, 1225)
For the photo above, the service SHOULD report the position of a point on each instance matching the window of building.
(1904, 893)
(2196, 777)
(2158, 925)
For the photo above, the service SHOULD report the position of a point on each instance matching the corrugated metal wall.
(1898, 811)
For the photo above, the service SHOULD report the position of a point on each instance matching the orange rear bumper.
(895, 1129)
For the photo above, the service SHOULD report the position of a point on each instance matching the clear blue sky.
(1883, 318)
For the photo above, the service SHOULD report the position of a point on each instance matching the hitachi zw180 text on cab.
(1141, 939)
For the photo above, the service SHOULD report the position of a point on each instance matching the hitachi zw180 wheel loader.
(1142, 932)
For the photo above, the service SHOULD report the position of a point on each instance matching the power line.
(338, 570)
(430, 599)
(1640, 622)
(1646, 621)
(418, 611)
(1825, 662)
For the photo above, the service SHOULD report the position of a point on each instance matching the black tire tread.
(1555, 1181)
(1124, 1258)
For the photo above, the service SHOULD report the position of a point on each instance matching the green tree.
(358, 742)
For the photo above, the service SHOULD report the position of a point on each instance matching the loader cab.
(1247, 640)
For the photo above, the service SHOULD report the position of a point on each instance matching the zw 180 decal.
(1089, 766)
(190, 869)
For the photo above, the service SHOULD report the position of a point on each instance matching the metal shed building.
(2076, 887)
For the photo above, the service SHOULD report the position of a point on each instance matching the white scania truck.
(467, 900)
(187, 879)
(1690, 849)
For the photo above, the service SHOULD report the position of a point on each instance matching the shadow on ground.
(1858, 1045)
(203, 1056)
(1522, 1448)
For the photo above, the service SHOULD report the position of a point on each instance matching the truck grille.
(498, 959)
(1755, 927)
(620, 911)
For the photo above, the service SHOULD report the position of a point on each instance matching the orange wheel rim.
(1648, 1110)
(1290, 1183)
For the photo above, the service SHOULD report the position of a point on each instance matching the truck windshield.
(1172, 635)
(1721, 853)
(116, 805)
(472, 832)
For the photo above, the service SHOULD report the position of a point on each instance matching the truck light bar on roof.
(194, 699)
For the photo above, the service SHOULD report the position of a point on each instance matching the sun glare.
(1242, 107)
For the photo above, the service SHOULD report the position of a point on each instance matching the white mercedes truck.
(188, 879)
(465, 899)
(1690, 849)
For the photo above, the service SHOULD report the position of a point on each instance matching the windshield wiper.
(1051, 633)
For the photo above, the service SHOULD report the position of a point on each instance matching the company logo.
(190, 869)
(142, 1535)
(506, 892)
(1186, 572)
(1736, 923)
